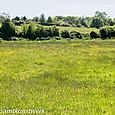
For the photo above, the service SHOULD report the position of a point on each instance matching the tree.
(110, 22)
(35, 19)
(101, 15)
(7, 29)
(83, 22)
(55, 19)
(24, 18)
(49, 20)
(17, 18)
(96, 22)
(4, 16)
(42, 18)
(30, 33)
(69, 19)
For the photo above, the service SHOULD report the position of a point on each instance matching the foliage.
(7, 29)
(107, 31)
(49, 20)
(96, 23)
(55, 31)
(42, 18)
(65, 34)
(66, 27)
(74, 34)
(35, 19)
(94, 35)
(24, 18)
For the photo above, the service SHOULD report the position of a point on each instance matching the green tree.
(42, 18)
(30, 33)
(24, 18)
(96, 22)
(55, 19)
(101, 15)
(83, 22)
(49, 20)
(35, 19)
(7, 29)
(110, 22)
(17, 18)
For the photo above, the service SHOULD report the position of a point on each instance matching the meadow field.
(65, 77)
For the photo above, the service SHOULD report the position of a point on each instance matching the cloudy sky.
(32, 8)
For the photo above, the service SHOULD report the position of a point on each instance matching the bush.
(94, 35)
(103, 32)
(108, 31)
(74, 34)
(55, 31)
(65, 34)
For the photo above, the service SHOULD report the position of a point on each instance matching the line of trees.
(34, 29)
(99, 19)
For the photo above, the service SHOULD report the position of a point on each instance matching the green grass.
(64, 77)
(81, 30)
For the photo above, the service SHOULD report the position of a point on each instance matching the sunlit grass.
(64, 77)
(81, 30)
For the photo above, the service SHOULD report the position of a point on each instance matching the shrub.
(74, 34)
(103, 32)
(94, 35)
(55, 31)
(107, 31)
(65, 34)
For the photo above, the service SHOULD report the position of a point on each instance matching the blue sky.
(31, 8)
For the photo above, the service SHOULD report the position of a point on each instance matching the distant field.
(63, 77)
(81, 30)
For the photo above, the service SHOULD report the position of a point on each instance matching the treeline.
(99, 19)
(33, 31)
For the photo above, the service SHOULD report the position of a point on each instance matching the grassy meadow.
(66, 77)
